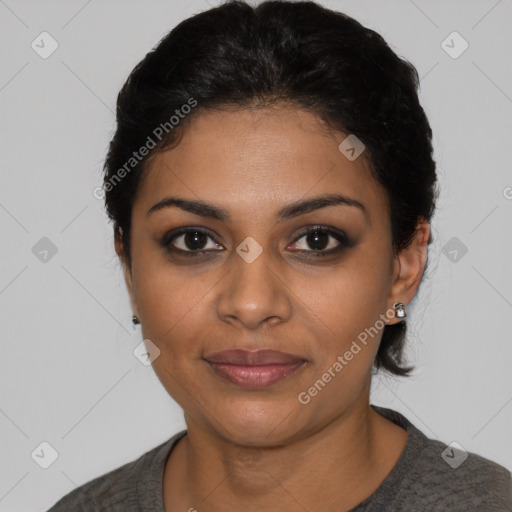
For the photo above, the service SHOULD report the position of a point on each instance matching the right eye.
(190, 242)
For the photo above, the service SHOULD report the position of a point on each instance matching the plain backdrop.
(68, 375)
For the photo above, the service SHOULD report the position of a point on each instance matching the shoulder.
(435, 476)
(123, 488)
(454, 476)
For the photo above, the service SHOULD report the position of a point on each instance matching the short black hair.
(237, 56)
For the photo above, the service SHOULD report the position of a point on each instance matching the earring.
(135, 320)
(400, 311)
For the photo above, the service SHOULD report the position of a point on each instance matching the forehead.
(253, 158)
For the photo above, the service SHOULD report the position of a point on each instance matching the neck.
(334, 468)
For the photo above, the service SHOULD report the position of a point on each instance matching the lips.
(257, 358)
(254, 370)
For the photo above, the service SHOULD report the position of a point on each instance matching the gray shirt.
(428, 477)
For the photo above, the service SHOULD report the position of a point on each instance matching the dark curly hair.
(236, 56)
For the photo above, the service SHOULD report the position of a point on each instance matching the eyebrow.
(292, 210)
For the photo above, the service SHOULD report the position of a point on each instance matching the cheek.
(170, 301)
(352, 295)
(173, 308)
(347, 308)
(171, 312)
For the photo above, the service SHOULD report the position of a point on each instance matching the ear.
(118, 244)
(408, 267)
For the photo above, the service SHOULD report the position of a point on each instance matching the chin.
(256, 422)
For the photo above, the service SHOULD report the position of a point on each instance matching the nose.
(254, 293)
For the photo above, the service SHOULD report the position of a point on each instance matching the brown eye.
(321, 241)
(190, 241)
(318, 240)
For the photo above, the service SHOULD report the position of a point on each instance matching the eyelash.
(338, 235)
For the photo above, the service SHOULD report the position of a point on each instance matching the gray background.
(68, 375)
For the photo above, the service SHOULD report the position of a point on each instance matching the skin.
(246, 449)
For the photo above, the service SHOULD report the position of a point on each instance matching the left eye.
(320, 240)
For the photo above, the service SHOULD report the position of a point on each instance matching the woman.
(271, 185)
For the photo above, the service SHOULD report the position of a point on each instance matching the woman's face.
(261, 281)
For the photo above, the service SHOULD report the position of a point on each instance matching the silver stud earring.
(400, 311)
